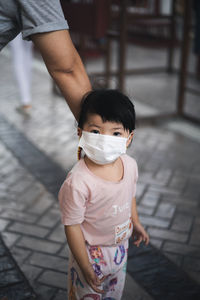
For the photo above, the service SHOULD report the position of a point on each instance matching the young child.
(97, 199)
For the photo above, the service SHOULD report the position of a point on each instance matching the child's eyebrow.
(94, 125)
(116, 128)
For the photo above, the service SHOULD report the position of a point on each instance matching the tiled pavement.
(168, 199)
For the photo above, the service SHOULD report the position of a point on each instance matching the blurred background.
(150, 50)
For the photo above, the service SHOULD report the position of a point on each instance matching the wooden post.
(122, 45)
(184, 56)
(172, 39)
(108, 46)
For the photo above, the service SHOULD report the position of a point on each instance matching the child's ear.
(79, 131)
(130, 139)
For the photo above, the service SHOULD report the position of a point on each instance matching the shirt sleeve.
(41, 16)
(72, 204)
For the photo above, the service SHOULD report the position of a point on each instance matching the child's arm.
(139, 233)
(77, 246)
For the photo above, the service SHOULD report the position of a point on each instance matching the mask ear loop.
(128, 139)
(79, 153)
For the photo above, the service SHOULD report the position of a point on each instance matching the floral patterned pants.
(106, 260)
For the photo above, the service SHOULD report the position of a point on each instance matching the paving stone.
(197, 221)
(193, 211)
(168, 234)
(31, 230)
(39, 245)
(61, 295)
(41, 204)
(153, 221)
(7, 169)
(177, 259)
(166, 280)
(32, 194)
(182, 222)
(147, 177)
(178, 181)
(21, 185)
(49, 262)
(164, 190)
(195, 276)
(192, 188)
(20, 254)
(165, 210)
(50, 219)
(11, 178)
(10, 204)
(11, 214)
(53, 278)
(140, 189)
(10, 238)
(17, 292)
(3, 186)
(48, 172)
(31, 272)
(132, 291)
(146, 210)
(150, 199)
(3, 224)
(6, 264)
(13, 284)
(192, 263)
(43, 292)
(181, 249)
(156, 242)
(3, 160)
(58, 234)
(64, 251)
(163, 176)
(10, 277)
(2, 249)
(3, 194)
(194, 239)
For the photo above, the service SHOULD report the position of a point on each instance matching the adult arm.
(139, 233)
(64, 65)
(77, 246)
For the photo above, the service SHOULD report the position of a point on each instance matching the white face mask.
(102, 149)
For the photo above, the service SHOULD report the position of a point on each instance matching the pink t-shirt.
(103, 208)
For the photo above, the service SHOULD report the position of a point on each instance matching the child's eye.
(95, 131)
(117, 133)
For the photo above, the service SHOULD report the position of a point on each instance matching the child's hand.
(93, 280)
(139, 234)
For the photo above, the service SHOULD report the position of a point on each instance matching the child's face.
(96, 125)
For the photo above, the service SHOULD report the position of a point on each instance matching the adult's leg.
(28, 56)
(22, 59)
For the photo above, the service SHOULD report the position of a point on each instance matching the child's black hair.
(111, 105)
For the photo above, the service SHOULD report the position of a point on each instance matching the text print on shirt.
(120, 209)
